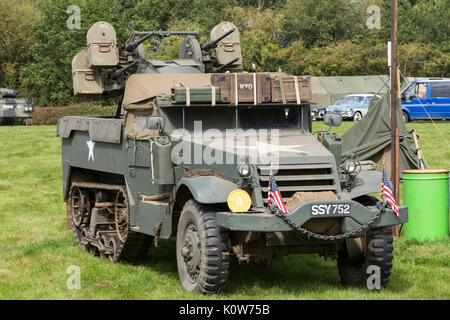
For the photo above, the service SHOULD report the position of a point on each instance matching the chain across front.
(310, 234)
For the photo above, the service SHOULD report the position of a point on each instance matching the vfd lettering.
(248, 86)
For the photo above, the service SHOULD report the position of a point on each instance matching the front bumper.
(343, 114)
(267, 222)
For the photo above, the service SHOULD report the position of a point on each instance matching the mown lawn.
(36, 249)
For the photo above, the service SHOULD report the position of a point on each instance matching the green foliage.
(16, 38)
(260, 34)
(316, 24)
(49, 76)
(50, 115)
(317, 37)
(427, 22)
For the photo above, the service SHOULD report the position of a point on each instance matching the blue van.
(426, 99)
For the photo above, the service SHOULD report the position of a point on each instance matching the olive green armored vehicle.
(15, 109)
(190, 154)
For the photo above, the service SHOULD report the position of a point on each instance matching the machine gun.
(88, 65)
(213, 44)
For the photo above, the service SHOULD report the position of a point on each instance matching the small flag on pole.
(253, 66)
(386, 192)
(274, 195)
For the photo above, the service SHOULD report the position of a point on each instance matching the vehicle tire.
(406, 117)
(357, 116)
(378, 252)
(202, 250)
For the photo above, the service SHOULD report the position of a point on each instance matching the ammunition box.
(102, 48)
(85, 79)
(230, 47)
(195, 95)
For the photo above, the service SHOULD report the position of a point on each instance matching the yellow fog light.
(239, 201)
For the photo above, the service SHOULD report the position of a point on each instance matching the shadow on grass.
(294, 275)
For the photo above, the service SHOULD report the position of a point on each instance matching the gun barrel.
(219, 69)
(133, 45)
(214, 43)
(116, 74)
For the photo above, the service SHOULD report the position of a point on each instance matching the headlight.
(350, 166)
(244, 170)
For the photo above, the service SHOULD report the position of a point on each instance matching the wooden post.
(395, 174)
(419, 153)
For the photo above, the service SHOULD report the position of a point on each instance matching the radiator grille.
(294, 178)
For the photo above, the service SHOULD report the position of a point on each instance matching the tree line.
(39, 38)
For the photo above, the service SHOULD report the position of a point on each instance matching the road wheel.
(406, 117)
(202, 250)
(378, 257)
(121, 215)
(357, 116)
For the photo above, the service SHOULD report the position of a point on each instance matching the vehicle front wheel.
(406, 117)
(357, 116)
(202, 250)
(377, 261)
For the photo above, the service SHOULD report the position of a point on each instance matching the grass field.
(36, 248)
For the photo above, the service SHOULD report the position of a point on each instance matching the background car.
(426, 99)
(352, 107)
(318, 113)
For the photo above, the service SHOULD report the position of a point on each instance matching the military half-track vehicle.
(14, 108)
(190, 154)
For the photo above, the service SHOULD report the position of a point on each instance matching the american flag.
(274, 195)
(386, 192)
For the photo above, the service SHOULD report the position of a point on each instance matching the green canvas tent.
(370, 138)
(326, 90)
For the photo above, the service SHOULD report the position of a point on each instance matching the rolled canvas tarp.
(370, 138)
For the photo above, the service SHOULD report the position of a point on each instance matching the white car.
(353, 106)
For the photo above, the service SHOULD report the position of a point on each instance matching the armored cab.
(15, 109)
(223, 160)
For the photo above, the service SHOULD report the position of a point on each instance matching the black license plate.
(331, 209)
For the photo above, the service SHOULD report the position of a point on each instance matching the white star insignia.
(91, 145)
(274, 148)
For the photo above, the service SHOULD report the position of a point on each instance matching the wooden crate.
(254, 88)
(291, 94)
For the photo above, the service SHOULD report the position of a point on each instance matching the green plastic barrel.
(426, 193)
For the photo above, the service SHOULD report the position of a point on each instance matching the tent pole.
(395, 174)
